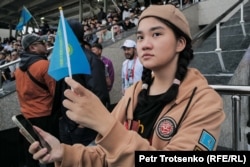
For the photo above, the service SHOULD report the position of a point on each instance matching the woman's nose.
(146, 44)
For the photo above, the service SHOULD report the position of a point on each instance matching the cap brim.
(43, 38)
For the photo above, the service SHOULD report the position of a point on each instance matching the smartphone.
(28, 131)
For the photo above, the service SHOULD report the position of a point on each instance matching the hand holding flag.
(67, 56)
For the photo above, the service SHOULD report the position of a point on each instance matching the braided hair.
(184, 58)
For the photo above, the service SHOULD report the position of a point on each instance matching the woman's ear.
(181, 44)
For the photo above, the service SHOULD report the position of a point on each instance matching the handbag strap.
(43, 86)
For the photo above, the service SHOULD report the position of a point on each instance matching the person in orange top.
(172, 108)
(35, 88)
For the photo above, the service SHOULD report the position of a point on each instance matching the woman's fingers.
(48, 154)
(77, 88)
(83, 106)
(40, 154)
(34, 147)
(72, 96)
(46, 159)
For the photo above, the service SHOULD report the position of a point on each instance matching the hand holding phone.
(28, 131)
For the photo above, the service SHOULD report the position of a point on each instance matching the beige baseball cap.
(169, 13)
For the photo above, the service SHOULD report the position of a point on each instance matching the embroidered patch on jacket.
(197, 148)
(207, 140)
(165, 128)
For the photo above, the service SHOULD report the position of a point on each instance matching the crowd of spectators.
(97, 29)
(109, 25)
(10, 49)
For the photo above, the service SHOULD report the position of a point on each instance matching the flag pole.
(66, 42)
(36, 23)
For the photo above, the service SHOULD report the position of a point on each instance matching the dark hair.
(3, 53)
(85, 43)
(97, 45)
(184, 58)
(77, 28)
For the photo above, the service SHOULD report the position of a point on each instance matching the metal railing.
(236, 93)
(3, 67)
(216, 23)
(181, 4)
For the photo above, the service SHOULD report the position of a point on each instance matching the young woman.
(172, 108)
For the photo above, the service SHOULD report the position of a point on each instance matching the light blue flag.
(24, 18)
(58, 67)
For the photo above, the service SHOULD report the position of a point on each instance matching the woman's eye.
(156, 34)
(139, 37)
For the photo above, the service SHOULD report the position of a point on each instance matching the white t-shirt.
(131, 72)
(125, 14)
(13, 67)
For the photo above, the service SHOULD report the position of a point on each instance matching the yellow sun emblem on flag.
(70, 49)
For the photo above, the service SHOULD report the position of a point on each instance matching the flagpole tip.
(60, 8)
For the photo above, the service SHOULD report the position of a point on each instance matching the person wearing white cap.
(131, 67)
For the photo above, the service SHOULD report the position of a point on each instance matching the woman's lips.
(146, 56)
